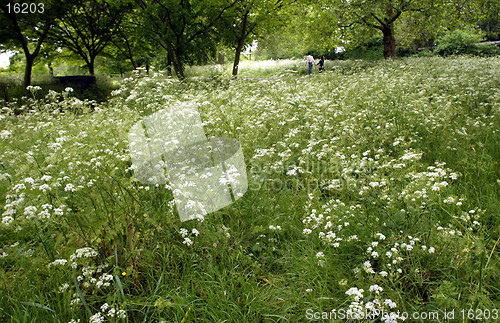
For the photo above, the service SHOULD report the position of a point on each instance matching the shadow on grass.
(84, 87)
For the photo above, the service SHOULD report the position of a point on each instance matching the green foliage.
(487, 50)
(27, 32)
(370, 49)
(280, 46)
(248, 20)
(184, 29)
(87, 27)
(425, 53)
(460, 41)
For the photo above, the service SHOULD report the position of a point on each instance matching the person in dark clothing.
(321, 64)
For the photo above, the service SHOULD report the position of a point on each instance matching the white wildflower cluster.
(376, 308)
(186, 235)
(424, 184)
(390, 258)
(97, 318)
(230, 176)
(33, 88)
(58, 262)
(453, 200)
(321, 256)
(108, 312)
(94, 277)
(91, 278)
(332, 222)
(463, 223)
(85, 252)
(470, 219)
(225, 231)
(4, 134)
(17, 203)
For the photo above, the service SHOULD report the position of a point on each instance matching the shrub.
(425, 53)
(489, 50)
(371, 49)
(458, 42)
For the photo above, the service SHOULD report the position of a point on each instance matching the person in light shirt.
(310, 61)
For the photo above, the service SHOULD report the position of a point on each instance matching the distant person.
(310, 61)
(321, 64)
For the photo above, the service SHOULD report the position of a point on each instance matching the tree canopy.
(26, 28)
(88, 26)
(181, 32)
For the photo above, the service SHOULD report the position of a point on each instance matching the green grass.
(250, 69)
(382, 176)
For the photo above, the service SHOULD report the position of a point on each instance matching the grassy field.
(373, 191)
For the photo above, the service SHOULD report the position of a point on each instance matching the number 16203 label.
(24, 7)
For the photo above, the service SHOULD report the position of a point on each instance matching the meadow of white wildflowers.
(373, 187)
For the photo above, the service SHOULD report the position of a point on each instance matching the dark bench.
(80, 82)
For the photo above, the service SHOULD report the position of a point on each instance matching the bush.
(487, 50)
(371, 49)
(425, 53)
(405, 52)
(458, 42)
(13, 90)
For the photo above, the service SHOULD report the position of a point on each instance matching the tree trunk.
(237, 59)
(389, 42)
(134, 64)
(179, 69)
(27, 71)
(178, 66)
(175, 57)
(130, 55)
(241, 43)
(90, 65)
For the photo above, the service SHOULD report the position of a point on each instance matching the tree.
(244, 28)
(129, 42)
(27, 29)
(88, 27)
(482, 13)
(248, 18)
(489, 18)
(422, 29)
(125, 44)
(378, 14)
(183, 28)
